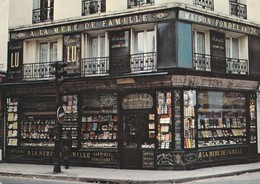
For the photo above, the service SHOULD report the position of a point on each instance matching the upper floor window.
(48, 52)
(96, 46)
(42, 10)
(232, 47)
(93, 6)
(201, 59)
(237, 54)
(238, 8)
(208, 4)
(198, 42)
(137, 3)
(144, 41)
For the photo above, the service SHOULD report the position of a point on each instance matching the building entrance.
(134, 127)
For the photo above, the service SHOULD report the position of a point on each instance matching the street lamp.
(59, 73)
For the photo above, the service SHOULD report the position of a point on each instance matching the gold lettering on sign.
(71, 54)
(40, 153)
(220, 153)
(15, 60)
(32, 33)
(43, 32)
(118, 21)
(56, 30)
(75, 27)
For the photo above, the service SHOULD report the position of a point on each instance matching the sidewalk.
(123, 176)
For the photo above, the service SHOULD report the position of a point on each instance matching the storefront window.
(252, 119)
(99, 121)
(221, 118)
(38, 115)
(70, 106)
(189, 98)
(12, 122)
(177, 119)
(164, 111)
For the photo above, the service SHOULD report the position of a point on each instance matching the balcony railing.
(238, 9)
(95, 66)
(138, 3)
(37, 71)
(93, 6)
(42, 14)
(143, 62)
(208, 4)
(237, 66)
(202, 62)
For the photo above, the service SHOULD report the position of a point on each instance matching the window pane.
(53, 51)
(194, 42)
(228, 51)
(102, 46)
(139, 42)
(44, 52)
(150, 41)
(93, 47)
(200, 43)
(221, 118)
(235, 48)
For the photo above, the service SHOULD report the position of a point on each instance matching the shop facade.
(165, 108)
(163, 127)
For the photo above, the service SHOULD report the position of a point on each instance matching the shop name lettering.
(84, 26)
(218, 23)
(96, 157)
(30, 153)
(220, 153)
(40, 153)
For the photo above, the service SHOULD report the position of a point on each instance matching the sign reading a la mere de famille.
(92, 25)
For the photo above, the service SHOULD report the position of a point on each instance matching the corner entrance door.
(133, 125)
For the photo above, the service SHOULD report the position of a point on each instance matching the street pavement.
(124, 176)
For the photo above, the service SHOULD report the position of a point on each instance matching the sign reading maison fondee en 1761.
(218, 23)
(92, 25)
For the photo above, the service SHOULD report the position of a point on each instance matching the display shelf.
(34, 132)
(177, 120)
(221, 127)
(189, 98)
(164, 111)
(252, 128)
(70, 125)
(99, 131)
(148, 133)
(12, 122)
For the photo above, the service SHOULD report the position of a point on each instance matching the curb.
(125, 181)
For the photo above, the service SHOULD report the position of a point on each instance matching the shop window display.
(12, 121)
(164, 111)
(37, 116)
(148, 133)
(189, 98)
(70, 105)
(252, 119)
(99, 121)
(35, 132)
(177, 120)
(221, 118)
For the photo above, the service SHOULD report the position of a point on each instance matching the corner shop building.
(169, 108)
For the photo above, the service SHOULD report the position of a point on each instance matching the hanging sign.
(60, 114)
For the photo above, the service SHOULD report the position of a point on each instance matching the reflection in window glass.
(221, 118)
